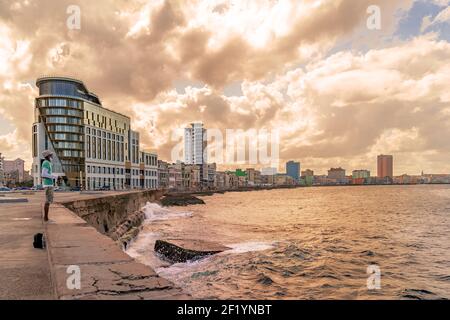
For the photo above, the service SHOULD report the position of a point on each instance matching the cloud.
(442, 17)
(331, 109)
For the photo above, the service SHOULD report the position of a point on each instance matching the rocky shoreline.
(185, 198)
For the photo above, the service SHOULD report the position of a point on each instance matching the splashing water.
(155, 212)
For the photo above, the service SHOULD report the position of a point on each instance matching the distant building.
(268, 171)
(13, 166)
(2, 172)
(284, 180)
(176, 176)
(148, 170)
(307, 173)
(253, 177)
(293, 170)
(163, 174)
(360, 174)
(336, 174)
(195, 143)
(385, 166)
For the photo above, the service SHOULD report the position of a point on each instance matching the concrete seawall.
(80, 237)
(118, 216)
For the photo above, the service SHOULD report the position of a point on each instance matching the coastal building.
(16, 167)
(176, 176)
(307, 178)
(253, 177)
(360, 174)
(220, 180)
(293, 170)
(2, 172)
(163, 174)
(191, 177)
(308, 173)
(268, 171)
(94, 147)
(284, 180)
(385, 166)
(148, 170)
(336, 176)
(195, 142)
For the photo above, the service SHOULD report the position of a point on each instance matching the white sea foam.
(155, 212)
(249, 247)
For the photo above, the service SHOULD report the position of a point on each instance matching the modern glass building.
(94, 147)
(293, 170)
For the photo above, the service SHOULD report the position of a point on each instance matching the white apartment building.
(195, 142)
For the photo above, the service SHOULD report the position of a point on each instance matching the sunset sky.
(338, 92)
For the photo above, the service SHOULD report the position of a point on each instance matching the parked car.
(22, 188)
(75, 189)
(105, 188)
(5, 189)
(38, 187)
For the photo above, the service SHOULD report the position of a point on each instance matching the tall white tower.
(195, 144)
(195, 149)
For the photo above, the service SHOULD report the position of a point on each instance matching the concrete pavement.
(106, 271)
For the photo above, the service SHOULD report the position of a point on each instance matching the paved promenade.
(106, 271)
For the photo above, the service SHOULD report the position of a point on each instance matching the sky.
(337, 92)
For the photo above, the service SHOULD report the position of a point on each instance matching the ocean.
(310, 243)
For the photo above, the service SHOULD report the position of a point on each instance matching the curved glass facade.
(61, 87)
(62, 117)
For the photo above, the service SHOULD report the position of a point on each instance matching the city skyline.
(320, 87)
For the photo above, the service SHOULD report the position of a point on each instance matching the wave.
(249, 247)
(155, 212)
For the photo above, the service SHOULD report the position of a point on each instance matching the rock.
(265, 280)
(177, 250)
(180, 200)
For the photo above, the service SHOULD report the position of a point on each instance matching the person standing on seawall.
(47, 180)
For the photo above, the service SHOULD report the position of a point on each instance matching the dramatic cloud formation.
(338, 92)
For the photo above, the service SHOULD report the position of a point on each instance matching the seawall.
(83, 240)
(118, 216)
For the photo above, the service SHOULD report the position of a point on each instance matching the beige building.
(2, 172)
(16, 168)
(163, 174)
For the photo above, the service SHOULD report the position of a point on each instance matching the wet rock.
(368, 253)
(265, 280)
(177, 250)
(180, 200)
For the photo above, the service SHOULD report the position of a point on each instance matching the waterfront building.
(16, 167)
(385, 166)
(307, 178)
(253, 177)
(195, 142)
(336, 176)
(2, 172)
(219, 181)
(360, 174)
(268, 171)
(293, 170)
(163, 174)
(191, 176)
(94, 147)
(308, 173)
(176, 176)
(212, 167)
(284, 180)
(148, 170)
